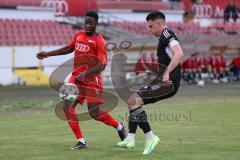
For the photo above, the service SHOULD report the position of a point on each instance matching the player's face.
(155, 27)
(90, 25)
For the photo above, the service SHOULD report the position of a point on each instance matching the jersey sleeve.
(101, 51)
(72, 43)
(170, 38)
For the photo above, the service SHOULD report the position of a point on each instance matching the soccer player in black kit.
(166, 84)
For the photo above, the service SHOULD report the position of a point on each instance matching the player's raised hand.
(42, 55)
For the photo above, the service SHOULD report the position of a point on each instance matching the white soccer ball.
(68, 92)
(201, 83)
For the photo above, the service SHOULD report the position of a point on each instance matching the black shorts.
(156, 91)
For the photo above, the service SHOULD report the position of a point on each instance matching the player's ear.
(160, 21)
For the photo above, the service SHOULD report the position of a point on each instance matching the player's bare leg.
(99, 115)
(134, 101)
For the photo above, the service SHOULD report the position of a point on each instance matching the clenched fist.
(42, 55)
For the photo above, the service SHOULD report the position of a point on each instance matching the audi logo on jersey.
(81, 47)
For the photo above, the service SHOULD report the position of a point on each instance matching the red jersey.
(139, 67)
(218, 62)
(236, 61)
(186, 64)
(153, 64)
(223, 61)
(205, 61)
(195, 63)
(89, 51)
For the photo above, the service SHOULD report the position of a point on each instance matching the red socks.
(73, 121)
(107, 119)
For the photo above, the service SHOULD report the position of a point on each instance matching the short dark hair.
(155, 15)
(92, 14)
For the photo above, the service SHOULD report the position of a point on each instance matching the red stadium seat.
(140, 28)
(34, 32)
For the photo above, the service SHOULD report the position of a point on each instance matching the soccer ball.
(201, 83)
(68, 92)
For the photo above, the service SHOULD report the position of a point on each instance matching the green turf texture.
(197, 124)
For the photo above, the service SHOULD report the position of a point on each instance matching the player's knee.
(134, 101)
(131, 102)
(68, 104)
(66, 109)
(93, 110)
(94, 114)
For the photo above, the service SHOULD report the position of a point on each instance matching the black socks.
(138, 117)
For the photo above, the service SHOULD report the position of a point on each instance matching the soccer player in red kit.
(141, 64)
(90, 59)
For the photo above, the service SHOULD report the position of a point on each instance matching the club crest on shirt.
(90, 41)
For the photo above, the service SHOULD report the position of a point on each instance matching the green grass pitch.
(197, 124)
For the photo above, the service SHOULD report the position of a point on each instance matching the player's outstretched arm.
(57, 52)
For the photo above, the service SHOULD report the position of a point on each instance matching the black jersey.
(165, 53)
(155, 90)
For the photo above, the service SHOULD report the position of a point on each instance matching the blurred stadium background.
(28, 26)
(211, 44)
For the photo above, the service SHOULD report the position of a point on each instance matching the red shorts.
(92, 92)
